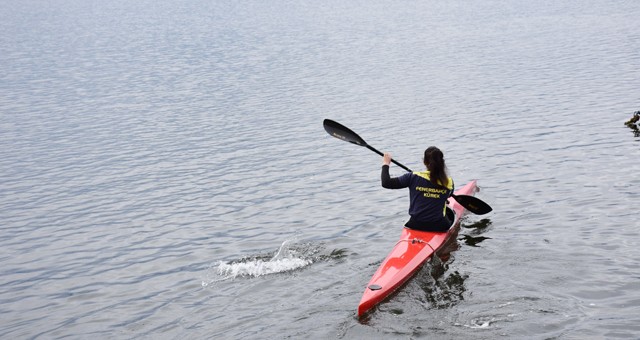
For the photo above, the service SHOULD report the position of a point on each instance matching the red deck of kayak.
(406, 257)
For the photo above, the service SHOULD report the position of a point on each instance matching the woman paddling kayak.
(428, 191)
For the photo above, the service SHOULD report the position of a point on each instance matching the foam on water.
(285, 259)
(259, 267)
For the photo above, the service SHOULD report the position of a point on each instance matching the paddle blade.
(342, 132)
(473, 204)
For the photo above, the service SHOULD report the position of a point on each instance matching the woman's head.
(434, 161)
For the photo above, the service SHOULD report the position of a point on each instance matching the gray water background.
(164, 173)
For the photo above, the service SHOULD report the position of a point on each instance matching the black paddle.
(471, 203)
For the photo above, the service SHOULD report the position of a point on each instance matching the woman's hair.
(434, 160)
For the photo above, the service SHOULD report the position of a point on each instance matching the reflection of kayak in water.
(411, 251)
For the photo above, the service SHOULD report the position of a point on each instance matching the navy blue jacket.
(427, 200)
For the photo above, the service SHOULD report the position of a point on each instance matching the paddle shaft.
(392, 160)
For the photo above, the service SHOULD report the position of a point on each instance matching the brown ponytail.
(434, 160)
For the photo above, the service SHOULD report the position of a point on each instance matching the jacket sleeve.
(387, 181)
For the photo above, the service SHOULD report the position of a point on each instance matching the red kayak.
(412, 250)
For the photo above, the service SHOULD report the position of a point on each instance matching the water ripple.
(142, 142)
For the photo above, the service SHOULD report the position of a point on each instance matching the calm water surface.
(164, 173)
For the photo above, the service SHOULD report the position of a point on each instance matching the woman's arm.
(385, 178)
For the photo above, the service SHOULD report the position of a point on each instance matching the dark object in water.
(634, 123)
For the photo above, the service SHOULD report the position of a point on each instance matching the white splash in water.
(481, 324)
(257, 268)
(284, 260)
(478, 323)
